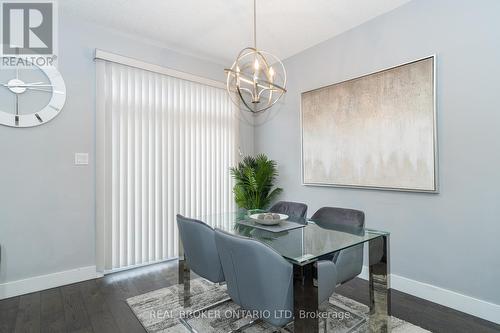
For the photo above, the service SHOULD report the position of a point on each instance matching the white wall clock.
(31, 95)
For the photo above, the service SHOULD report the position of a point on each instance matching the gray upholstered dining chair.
(292, 209)
(349, 262)
(200, 250)
(200, 253)
(260, 279)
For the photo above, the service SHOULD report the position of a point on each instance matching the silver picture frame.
(435, 189)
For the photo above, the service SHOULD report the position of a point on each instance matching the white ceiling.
(218, 29)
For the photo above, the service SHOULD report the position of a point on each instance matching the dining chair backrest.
(295, 210)
(341, 219)
(257, 277)
(200, 251)
(349, 261)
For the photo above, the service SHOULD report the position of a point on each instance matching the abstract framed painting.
(375, 131)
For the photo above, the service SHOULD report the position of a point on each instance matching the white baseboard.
(42, 282)
(470, 305)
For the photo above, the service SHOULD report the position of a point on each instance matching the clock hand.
(24, 84)
(32, 84)
(27, 85)
(45, 90)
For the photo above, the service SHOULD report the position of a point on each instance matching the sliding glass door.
(164, 146)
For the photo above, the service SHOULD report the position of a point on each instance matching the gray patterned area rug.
(160, 310)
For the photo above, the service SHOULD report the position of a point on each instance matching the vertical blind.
(164, 146)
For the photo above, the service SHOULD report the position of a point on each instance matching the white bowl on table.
(257, 219)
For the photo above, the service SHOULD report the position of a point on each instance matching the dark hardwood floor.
(418, 311)
(99, 305)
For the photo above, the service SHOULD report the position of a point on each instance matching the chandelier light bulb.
(271, 72)
(256, 64)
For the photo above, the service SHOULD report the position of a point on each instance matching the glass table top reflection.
(300, 245)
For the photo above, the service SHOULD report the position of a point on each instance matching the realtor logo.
(28, 28)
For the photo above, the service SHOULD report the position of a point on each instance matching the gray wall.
(47, 205)
(450, 240)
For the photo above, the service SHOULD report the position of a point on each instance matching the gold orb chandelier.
(257, 79)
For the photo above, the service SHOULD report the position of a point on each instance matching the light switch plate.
(81, 158)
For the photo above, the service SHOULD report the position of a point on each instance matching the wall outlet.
(81, 158)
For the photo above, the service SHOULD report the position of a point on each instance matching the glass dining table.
(303, 246)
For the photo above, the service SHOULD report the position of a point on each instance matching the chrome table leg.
(305, 298)
(380, 288)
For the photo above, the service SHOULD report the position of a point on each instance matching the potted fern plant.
(254, 182)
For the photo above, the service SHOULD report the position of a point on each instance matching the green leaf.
(254, 182)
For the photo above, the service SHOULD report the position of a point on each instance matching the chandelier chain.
(255, 24)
